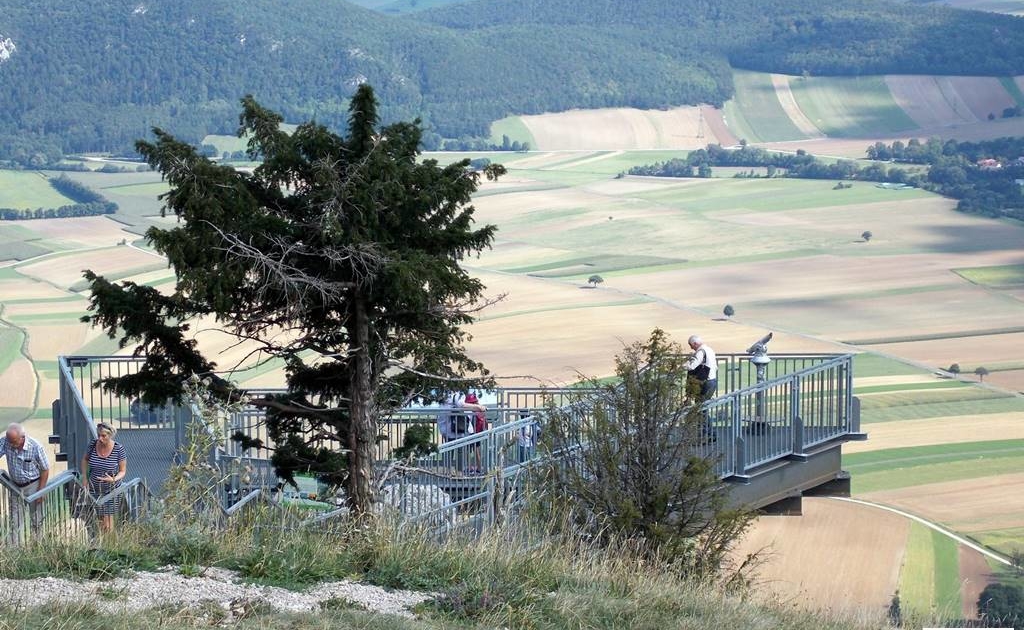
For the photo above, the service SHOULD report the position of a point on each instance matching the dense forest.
(95, 75)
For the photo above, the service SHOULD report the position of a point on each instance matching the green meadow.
(846, 107)
(912, 466)
(998, 277)
(929, 581)
(27, 190)
(514, 128)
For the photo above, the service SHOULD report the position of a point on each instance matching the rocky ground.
(141, 590)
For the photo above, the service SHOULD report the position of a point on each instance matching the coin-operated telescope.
(759, 356)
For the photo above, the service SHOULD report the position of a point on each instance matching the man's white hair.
(695, 339)
(15, 429)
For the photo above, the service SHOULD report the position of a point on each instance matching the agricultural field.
(932, 287)
(28, 190)
(756, 112)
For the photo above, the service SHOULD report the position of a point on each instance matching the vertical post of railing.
(739, 463)
(796, 415)
(852, 415)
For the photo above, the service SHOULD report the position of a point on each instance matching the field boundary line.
(935, 526)
(23, 351)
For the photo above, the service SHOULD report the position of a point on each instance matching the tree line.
(986, 177)
(799, 165)
(88, 203)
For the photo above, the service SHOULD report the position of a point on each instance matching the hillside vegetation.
(95, 75)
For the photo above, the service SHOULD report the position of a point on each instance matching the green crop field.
(868, 364)
(767, 195)
(26, 190)
(930, 579)
(514, 128)
(905, 387)
(922, 410)
(917, 578)
(11, 340)
(900, 468)
(755, 114)
(850, 106)
(997, 277)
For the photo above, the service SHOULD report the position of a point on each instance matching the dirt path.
(785, 95)
(974, 577)
(716, 125)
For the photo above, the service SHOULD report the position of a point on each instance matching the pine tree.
(338, 255)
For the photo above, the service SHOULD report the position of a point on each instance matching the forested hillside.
(96, 74)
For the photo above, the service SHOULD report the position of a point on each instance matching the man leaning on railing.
(29, 470)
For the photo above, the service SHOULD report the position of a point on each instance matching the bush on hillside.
(644, 473)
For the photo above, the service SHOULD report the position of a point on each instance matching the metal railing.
(802, 402)
(64, 508)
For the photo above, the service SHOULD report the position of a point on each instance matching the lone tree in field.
(728, 311)
(632, 463)
(954, 369)
(981, 372)
(338, 255)
(866, 235)
(595, 280)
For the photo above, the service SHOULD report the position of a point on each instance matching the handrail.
(239, 504)
(122, 489)
(59, 481)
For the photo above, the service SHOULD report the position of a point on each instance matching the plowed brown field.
(855, 550)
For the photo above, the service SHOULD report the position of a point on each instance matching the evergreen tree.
(338, 255)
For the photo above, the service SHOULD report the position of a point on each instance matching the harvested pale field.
(863, 320)
(622, 128)
(896, 379)
(73, 309)
(918, 224)
(551, 346)
(18, 384)
(1012, 380)
(968, 505)
(985, 96)
(817, 279)
(82, 231)
(512, 254)
(65, 271)
(782, 90)
(969, 352)
(47, 340)
(632, 185)
(931, 101)
(975, 575)
(945, 430)
(28, 289)
(837, 556)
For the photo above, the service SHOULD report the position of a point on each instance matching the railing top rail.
(64, 366)
(122, 489)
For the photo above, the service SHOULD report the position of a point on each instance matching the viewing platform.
(777, 426)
